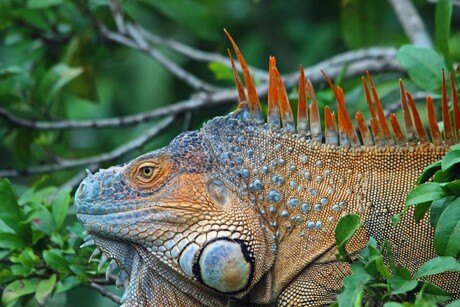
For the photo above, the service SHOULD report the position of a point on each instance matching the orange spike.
(330, 128)
(239, 84)
(273, 117)
(399, 136)
(378, 138)
(302, 116)
(422, 136)
(315, 121)
(376, 128)
(382, 120)
(331, 85)
(364, 130)
(286, 113)
(455, 105)
(351, 132)
(410, 132)
(254, 104)
(449, 138)
(436, 137)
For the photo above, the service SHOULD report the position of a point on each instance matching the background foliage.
(58, 63)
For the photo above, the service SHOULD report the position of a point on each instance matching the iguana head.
(173, 207)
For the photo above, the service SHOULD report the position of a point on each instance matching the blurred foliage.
(55, 64)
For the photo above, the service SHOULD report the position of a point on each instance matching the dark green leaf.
(423, 65)
(10, 213)
(447, 233)
(450, 159)
(344, 230)
(19, 288)
(54, 259)
(11, 240)
(438, 207)
(428, 191)
(429, 171)
(433, 293)
(41, 219)
(438, 265)
(420, 211)
(44, 289)
(452, 187)
(399, 285)
(60, 206)
(41, 4)
(443, 16)
(67, 284)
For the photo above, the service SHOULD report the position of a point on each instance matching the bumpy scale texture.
(244, 212)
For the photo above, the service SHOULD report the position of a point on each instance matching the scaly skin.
(244, 212)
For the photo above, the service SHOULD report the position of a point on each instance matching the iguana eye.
(146, 172)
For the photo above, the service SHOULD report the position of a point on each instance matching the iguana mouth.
(125, 257)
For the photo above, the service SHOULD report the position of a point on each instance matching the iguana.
(243, 211)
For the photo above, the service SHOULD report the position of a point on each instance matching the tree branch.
(411, 22)
(113, 297)
(116, 153)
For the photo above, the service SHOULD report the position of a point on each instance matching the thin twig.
(113, 297)
(411, 22)
(97, 159)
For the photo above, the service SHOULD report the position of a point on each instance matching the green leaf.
(41, 219)
(423, 65)
(68, 283)
(344, 230)
(438, 207)
(443, 14)
(11, 240)
(429, 171)
(454, 304)
(428, 191)
(354, 286)
(54, 259)
(220, 71)
(56, 78)
(452, 187)
(450, 159)
(438, 265)
(447, 233)
(433, 293)
(10, 212)
(420, 211)
(399, 285)
(41, 4)
(60, 206)
(18, 288)
(44, 289)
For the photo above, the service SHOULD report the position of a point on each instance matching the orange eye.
(146, 172)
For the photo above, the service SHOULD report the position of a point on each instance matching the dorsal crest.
(342, 131)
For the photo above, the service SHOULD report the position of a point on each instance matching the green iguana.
(243, 211)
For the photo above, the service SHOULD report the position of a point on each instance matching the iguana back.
(245, 211)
